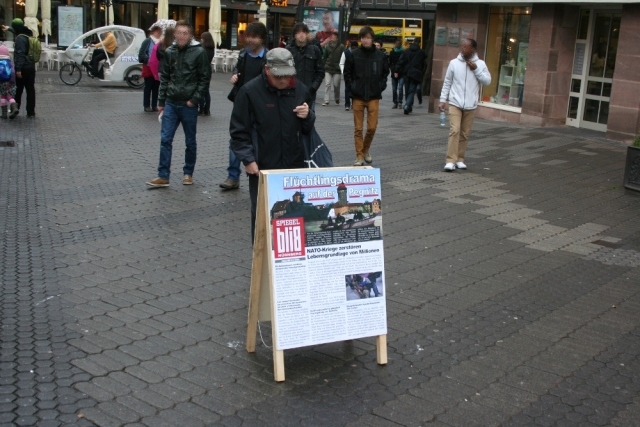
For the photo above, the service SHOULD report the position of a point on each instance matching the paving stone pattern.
(512, 287)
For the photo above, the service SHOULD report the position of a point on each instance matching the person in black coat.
(411, 66)
(365, 72)
(269, 114)
(251, 61)
(308, 59)
(25, 67)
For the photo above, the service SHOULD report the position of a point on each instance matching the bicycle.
(71, 73)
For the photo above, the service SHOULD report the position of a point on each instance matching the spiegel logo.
(288, 238)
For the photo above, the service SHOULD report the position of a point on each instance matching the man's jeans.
(233, 170)
(172, 116)
(397, 85)
(364, 144)
(411, 91)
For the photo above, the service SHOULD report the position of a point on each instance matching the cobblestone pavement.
(513, 288)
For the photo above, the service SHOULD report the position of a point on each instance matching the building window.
(506, 54)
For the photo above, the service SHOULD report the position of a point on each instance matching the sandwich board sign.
(318, 260)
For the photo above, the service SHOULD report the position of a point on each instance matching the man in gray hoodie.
(461, 87)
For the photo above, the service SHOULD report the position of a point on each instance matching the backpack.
(35, 49)
(145, 51)
(5, 70)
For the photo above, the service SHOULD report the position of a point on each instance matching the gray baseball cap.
(280, 62)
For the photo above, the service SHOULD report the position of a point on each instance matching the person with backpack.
(7, 84)
(151, 85)
(25, 65)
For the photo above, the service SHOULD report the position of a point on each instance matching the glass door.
(593, 68)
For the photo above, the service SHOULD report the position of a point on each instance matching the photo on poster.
(331, 207)
(321, 22)
(363, 285)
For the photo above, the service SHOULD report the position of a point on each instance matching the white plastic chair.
(217, 62)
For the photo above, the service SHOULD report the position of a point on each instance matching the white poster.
(70, 25)
(327, 255)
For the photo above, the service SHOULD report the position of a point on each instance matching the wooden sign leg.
(381, 343)
(278, 364)
(259, 251)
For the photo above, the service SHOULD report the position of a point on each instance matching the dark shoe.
(406, 112)
(230, 184)
(14, 111)
(155, 109)
(395, 107)
(207, 112)
(148, 110)
(337, 102)
(158, 183)
(31, 116)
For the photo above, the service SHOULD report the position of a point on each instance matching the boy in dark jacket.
(250, 64)
(365, 72)
(397, 79)
(269, 114)
(185, 77)
(411, 66)
(308, 60)
(25, 68)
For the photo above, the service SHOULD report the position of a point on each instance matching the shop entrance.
(593, 66)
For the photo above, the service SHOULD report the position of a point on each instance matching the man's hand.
(302, 111)
(234, 78)
(472, 65)
(160, 110)
(252, 168)
(19, 74)
(190, 104)
(5, 27)
(442, 105)
(395, 75)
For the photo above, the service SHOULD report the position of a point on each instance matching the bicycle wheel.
(134, 79)
(70, 74)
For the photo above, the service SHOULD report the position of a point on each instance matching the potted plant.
(632, 169)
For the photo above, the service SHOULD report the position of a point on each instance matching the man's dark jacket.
(263, 127)
(309, 69)
(185, 74)
(366, 72)
(21, 49)
(411, 63)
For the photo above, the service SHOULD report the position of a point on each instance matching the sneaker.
(14, 110)
(460, 165)
(347, 108)
(449, 167)
(187, 180)
(230, 184)
(324, 104)
(158, 182)
(148, 110)
(359, 162)
(367, 158)
(395, 107)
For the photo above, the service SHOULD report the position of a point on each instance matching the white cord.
(262, 339)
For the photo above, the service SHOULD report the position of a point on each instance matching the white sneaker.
(461, 165)
(449, 167)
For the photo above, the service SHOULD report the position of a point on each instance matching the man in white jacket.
(461, 87)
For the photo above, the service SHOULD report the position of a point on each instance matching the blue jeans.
(411, 91)
(397, 85)
(172, 116)
(233, 170)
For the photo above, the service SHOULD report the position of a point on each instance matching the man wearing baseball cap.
(269, 114)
